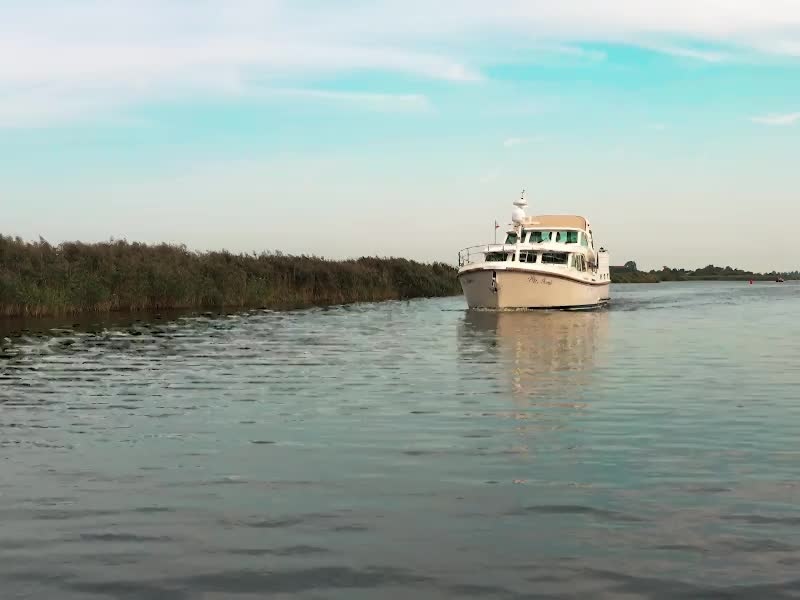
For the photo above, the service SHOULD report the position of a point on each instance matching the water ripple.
(408, 449)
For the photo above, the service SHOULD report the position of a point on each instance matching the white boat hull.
(528, 289)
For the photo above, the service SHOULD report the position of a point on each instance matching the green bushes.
(38, 279)
(628, 276)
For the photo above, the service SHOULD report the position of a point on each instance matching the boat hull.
(518, 289)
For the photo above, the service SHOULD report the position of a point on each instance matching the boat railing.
(476, 254)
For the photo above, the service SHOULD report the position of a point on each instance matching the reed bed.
(40, 279)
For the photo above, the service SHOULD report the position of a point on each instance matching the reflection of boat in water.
(546, 355)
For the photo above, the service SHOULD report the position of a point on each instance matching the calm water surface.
(411, 450)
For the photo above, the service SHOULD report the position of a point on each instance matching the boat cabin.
(575, 260)
(539, 236)
(549, 240)
(561, 241)
(561, 229)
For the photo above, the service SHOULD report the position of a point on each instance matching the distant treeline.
(630, 274)
(38, 279)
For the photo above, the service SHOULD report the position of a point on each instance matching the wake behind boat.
(547, 261)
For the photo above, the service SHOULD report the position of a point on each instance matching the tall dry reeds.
(39, 279)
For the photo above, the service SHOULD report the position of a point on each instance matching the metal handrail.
(465, 255)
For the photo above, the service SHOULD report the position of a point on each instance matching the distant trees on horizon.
(630, 274)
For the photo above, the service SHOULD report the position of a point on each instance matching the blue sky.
(349, 127)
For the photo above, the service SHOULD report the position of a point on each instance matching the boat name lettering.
(536, 281)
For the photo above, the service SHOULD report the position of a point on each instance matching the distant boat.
(779, 280)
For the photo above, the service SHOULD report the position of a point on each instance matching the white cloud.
(776, 119)
(141, 50)
(706, 56)
(519, 141)
(20, 110)
(739, 22)
(27, 110)
(514, 141)
(578, 52)
(143, 63)
(365, 100)
(38, 108)
(781, 47)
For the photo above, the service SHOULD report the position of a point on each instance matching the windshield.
(567, 237)
(537, 237)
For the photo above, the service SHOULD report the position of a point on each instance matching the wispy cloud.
(707, 56)
(51, 62)
(520, 141)
(52, 105)
(781, 47)
(777, 119)
(365, 100)
(514, 141)
(27, 110)
(143, 50)
(579, 52)
(142, 62)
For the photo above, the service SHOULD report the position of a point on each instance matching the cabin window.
(567, 237)
(498, 257)
(537, 237)
(584, 240)
(512, 238)
(579, 262)
(554, 258)
(527, 257)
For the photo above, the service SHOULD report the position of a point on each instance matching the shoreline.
(634, 277)
(701, 280)
(15, 327)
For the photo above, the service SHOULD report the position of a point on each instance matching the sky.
(344, 128)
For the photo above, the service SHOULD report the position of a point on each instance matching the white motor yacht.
(546, 261)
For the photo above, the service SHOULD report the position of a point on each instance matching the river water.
(411, 449)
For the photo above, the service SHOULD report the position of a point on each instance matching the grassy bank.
(38, 279)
